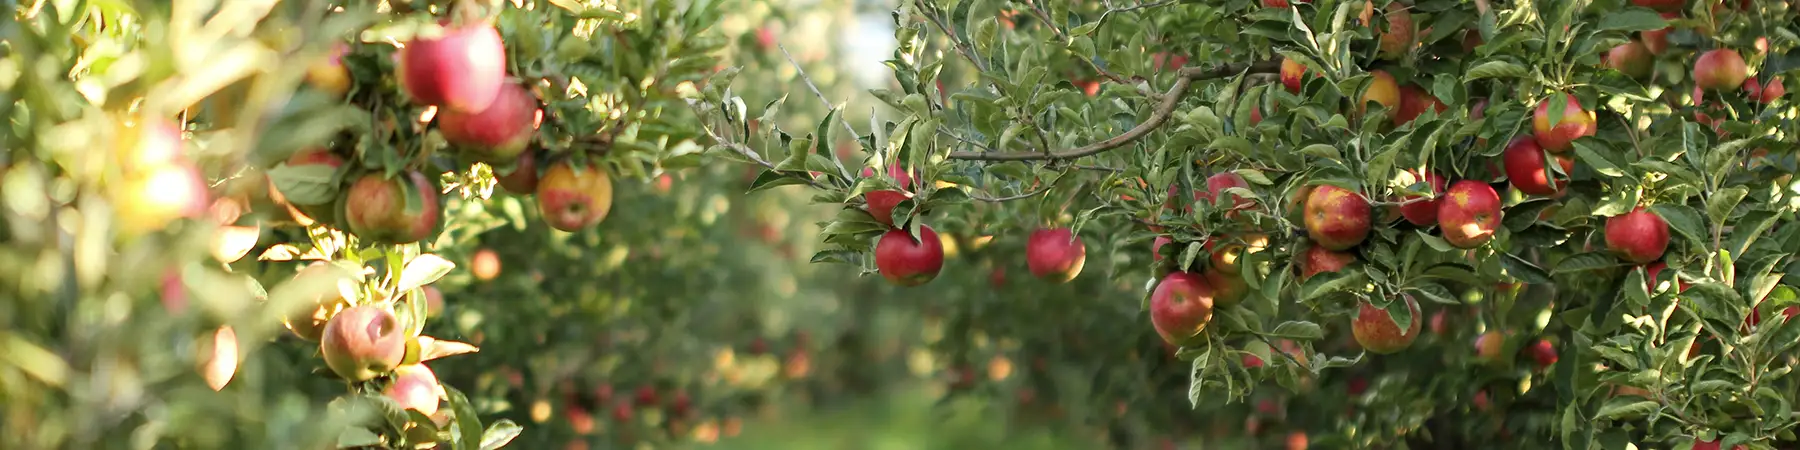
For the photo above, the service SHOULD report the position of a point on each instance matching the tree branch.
(1157, 117)
(815, 89)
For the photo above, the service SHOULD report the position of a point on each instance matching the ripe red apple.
(151, 199)
(907, 262)
(384, 210)
(1720, 69)
(1251, 361)
(1661, 5)
(1293, 75)
(1440, 322)
(1558, 137)
(1055, 255)
(498, 132)
(363, 342)
(1544, 353)
(1296, 440)
(1281, 3)
(1488, 347)
(329, 75)
(1397, 37)
(571, 200)
(1413, 103)
(1524, 162)
(1337, 218)
(523, 179)
(415, 387)
(1482, 403)
(218, 357)
(1382, 89)
(1766, 96)
(1654, 270)
(1228, 289)
(901, 177)
(1219, 182)
(1713, 445)
(1420, 210)
(1657, 41)
(1638, 237)
(1469, 214)
(1156, 246)
(882, 203)
(460, 69)
(1318, 259)
(1375, 330)
(1631, 58)
(1180, 307)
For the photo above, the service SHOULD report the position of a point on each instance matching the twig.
(958, 44)
(1010, 197)
(1045, 18)
(827, 102)
(1157, 118)
(751, 154)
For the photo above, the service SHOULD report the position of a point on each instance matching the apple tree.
(1587, 200)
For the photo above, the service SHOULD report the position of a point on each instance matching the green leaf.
(1584, 262)
(771, 179)
(499, 434)
(466, 419)
(1592, 158)
(1327, 283)
(311, 184)
(1298, 329)
(838, 256)
(1683, 219)
(422, 270)
(354, 437)
(1632, 19)
(1322, 151)
(1721, 203)
(1524, 270)
(1495, 69)
(1624, 408)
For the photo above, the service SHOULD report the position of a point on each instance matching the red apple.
(1766, 96)
(1544, 353)
(882, 203)
(1440, 322)
(1397, 37)
(571, 200)
(1293, 75)
(394, 211)
(1488, 347)
(1180, 307)
(523, 179)
(363, 342)
(1469, 214)
(1375, 330)
(151, 199)
(1296, 440)
(1382, 89)
(1558, 137)
(1156, 247)
(1420, 210)
(1219, 182)
(497, 133)
(1638, 237)
(1657, 41)
(1251, 361)
(1413, 103)
(459, 69)
(901, 177)
(1318, 259)
(1525, 170)
(416, 388)
(1720, 69)
(1631, 58)
(1482, 403)
(904, 261)
(329, 75)
(1654, 270)
(1055, 254)
(1337, 218)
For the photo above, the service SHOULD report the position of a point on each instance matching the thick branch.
(1160, 115)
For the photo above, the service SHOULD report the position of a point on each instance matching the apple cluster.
(1053, 254)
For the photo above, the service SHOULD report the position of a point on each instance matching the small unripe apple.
(1055, 255)
(363, 342)
(394, 211)
(1228, 258)
(1488, 347)
(1337, 218)
(497, 133)
(882, 203)
(1559, 137)
(1638, 237)
(571, 200)
(460, 69)
(485, 264)
(1720, 69)
(1375, 330)
(1180, 307)
(416, 388)
(905, 261)
(1524, 161)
